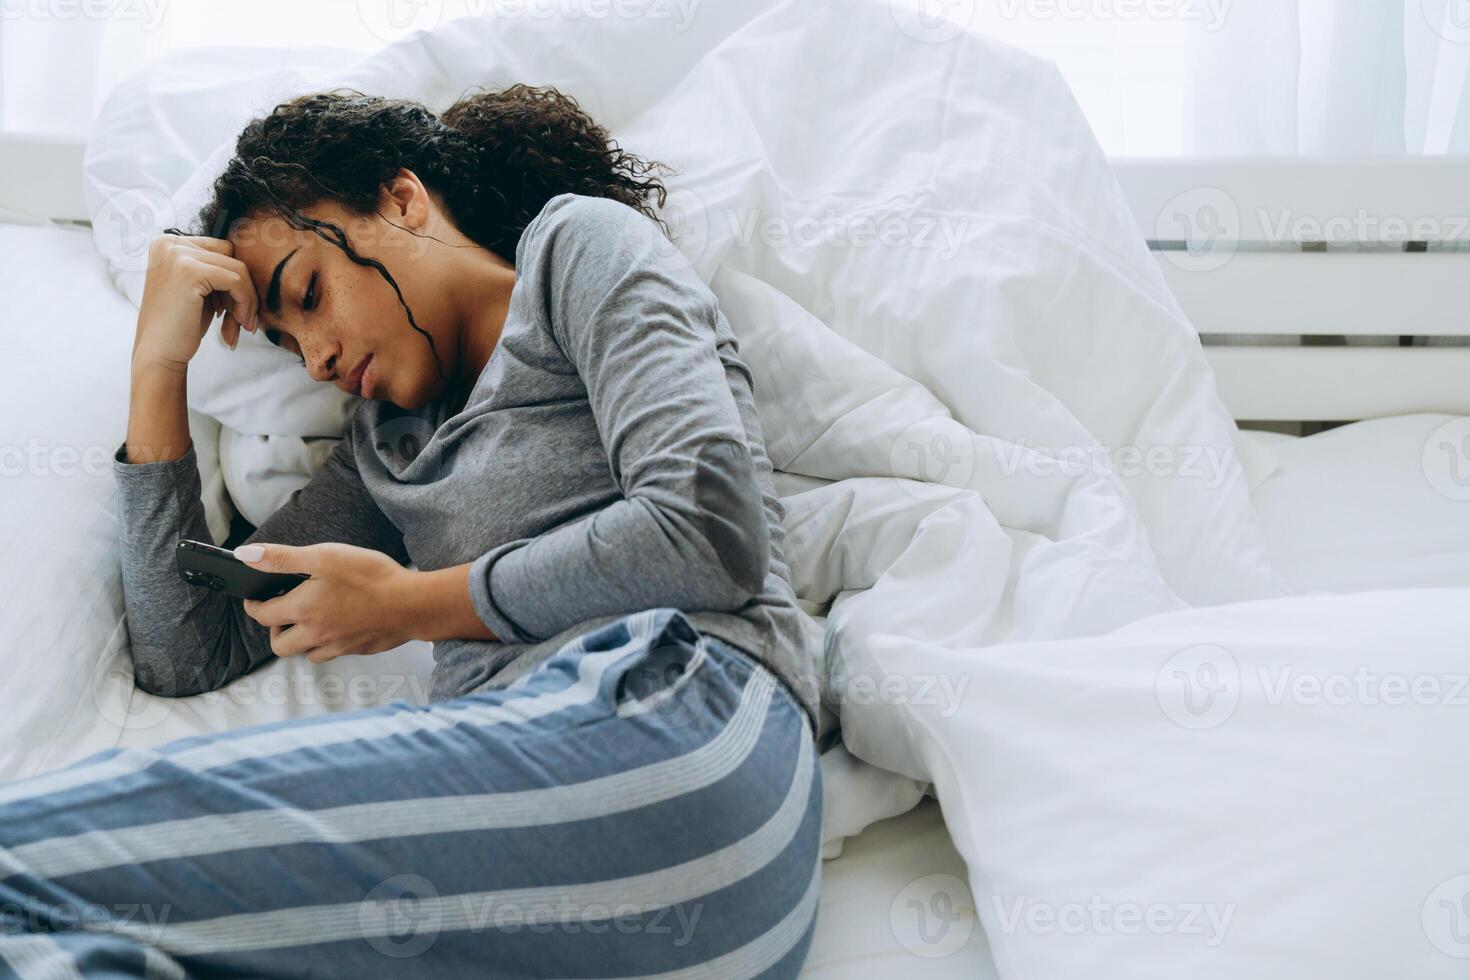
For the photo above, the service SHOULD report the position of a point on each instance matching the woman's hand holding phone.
(358, 601)
(354, 602)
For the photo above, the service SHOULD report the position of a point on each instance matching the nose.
(321, 363)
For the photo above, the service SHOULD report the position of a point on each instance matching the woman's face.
(344, 319)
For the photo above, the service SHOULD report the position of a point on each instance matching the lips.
(352, 384)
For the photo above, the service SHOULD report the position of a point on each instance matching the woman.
(616, 776)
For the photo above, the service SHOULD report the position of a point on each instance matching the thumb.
(277, 557)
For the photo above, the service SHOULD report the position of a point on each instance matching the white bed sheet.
(1373, 505)
(896, 904)
(1378, 504)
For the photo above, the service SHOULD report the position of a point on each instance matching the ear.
(406, 200)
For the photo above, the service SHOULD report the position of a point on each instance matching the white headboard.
(1324, 290)
(43, 178)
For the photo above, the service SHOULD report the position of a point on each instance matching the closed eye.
(274, 336)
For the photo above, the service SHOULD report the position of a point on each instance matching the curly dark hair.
(494, 158)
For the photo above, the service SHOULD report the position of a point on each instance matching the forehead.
(262, 242)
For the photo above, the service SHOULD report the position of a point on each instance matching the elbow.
(737, 578)
(732, 522)
(160, 678)
(744, 564)
(166, 669)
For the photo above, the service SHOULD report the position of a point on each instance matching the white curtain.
(1213, 77)
(1331, 78)
(1156, 77)
(59, 58)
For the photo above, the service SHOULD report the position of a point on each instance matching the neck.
(480, 295)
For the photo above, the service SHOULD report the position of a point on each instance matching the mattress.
(1381, 504)
(896, 904)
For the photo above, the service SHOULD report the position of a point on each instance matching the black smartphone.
(214, 568)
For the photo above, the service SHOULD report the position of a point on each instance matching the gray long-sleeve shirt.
(609, 459)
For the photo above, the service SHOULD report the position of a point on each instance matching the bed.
(1363, 524)
(1362, 506)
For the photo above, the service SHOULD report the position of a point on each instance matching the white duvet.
(1013, 499)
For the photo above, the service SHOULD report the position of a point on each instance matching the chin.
(411, 400)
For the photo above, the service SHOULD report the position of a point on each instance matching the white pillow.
(1019, 290)
(1265, 791)
(261, 472)
(65, 408)
(1377, 504)
(160, 125)
(66, 352)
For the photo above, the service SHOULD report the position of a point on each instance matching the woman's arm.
(186, 640)
(691, 530)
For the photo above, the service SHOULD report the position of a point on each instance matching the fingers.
(290, 641)
(218, 246)
(322, 654)
(280, 557)
(280, 611)
(293, 641)
(229, 330)
(230, 277)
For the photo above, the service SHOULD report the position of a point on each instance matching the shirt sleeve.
(186, 639)
(691, 530)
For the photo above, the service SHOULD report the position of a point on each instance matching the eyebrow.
(273, 291)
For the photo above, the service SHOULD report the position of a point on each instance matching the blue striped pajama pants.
(645, 803)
